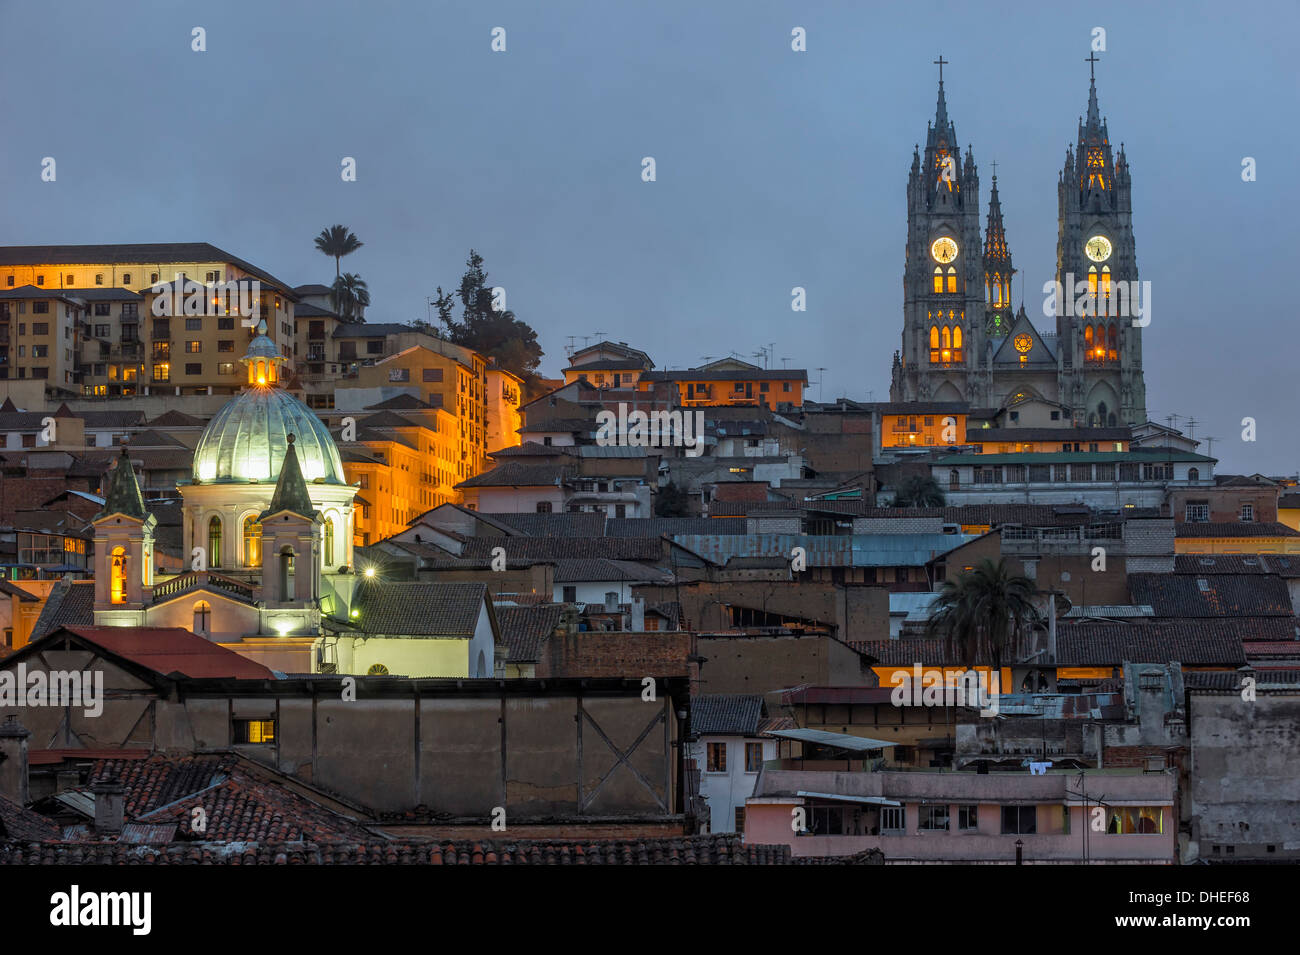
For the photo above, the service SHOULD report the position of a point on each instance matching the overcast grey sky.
(774, 168)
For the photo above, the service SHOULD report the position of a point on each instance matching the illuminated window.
(956, 338)
(377, 669)
(214, 542)
(952, 279)
(947, 337)
(252, 542)
(1092, 280)
(938, 280)
(1087, 337)
(254, 731)
(117, 576)
(1105, 285)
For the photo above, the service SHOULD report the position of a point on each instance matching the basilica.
(963, 341)
(268, 529)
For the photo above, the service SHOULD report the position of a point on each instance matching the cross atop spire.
(995, 169)
(1091, 60)
(940, 63)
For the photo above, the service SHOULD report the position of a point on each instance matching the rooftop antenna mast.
(1209, 451)
(1191, 427)
(820, 378)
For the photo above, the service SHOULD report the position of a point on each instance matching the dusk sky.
(775, 169)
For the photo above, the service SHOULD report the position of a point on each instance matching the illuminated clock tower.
(1101, 354)
(943, 277)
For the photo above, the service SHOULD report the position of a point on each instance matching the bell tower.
(943, 272)
(123, 550)
(1098, 300)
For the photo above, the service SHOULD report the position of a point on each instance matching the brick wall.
(616, 654)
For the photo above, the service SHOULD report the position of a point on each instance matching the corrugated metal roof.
(834, 740)
(840, 797)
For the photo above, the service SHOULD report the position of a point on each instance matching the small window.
(225, 324)
(193, 347)
(254, 731)
(1247, 513)
(753, 757)
(934, 818)
(193, 324)
(1022, 820)
(717, 757)
(892, 819)
(967, 818)
(570, 594)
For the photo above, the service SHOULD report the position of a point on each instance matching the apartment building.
(106, 337)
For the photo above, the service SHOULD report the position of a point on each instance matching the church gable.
(1024, 347)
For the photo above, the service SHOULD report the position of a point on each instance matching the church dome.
(246, 440)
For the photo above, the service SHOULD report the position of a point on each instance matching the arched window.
(1092, 279)
(1193, 474)
(214, 542)
(1105, 286)
(1112, 341)
(938, 279)
(956, 337)
(329, 542)
(1087, 337)
(947, 337)
(952, 279)
(1101, 414)
(286, 573)
(252, 542)
(117, 576)
(202, 615)
(1112, 420)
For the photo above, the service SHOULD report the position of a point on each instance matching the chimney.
(13, 761)
(638, 615)
(109, 805)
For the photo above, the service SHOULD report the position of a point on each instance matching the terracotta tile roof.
(659, 526)
(525, 629)
(927, 651)
(1218, 595)
(568, 548)
(597, 568)
(1248, 529)
(721, 849)
(1260, 649)
(552, 525)
(1206, 564)
(1190, 642)
(1231, 682)
(514, 474)
(726, 714)
(419, 609)
(70, 603)
(22, 825)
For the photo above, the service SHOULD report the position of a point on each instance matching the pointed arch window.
(938, 279)
(117, 575)
(214, 542)
(947, 337)
(1112, 342)
(252, 542)
(286, 573)
(934, 344)
(952, 279)
(1087, 337)
(956, 337)
(1092, 280)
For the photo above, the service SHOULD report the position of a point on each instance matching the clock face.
(1023, 343)
(944, 250)
(1098, 248)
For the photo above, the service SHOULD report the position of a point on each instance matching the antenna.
(1191, 427)
(600, 336)
(819, 383)
(1209, 451)
(569, 348)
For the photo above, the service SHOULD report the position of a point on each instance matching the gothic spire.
(291, 489)
(124, 495)
(995, 235)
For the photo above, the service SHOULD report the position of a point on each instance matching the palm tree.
(986, 612)
(918, 491)
(350, 295)
(337, 241)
